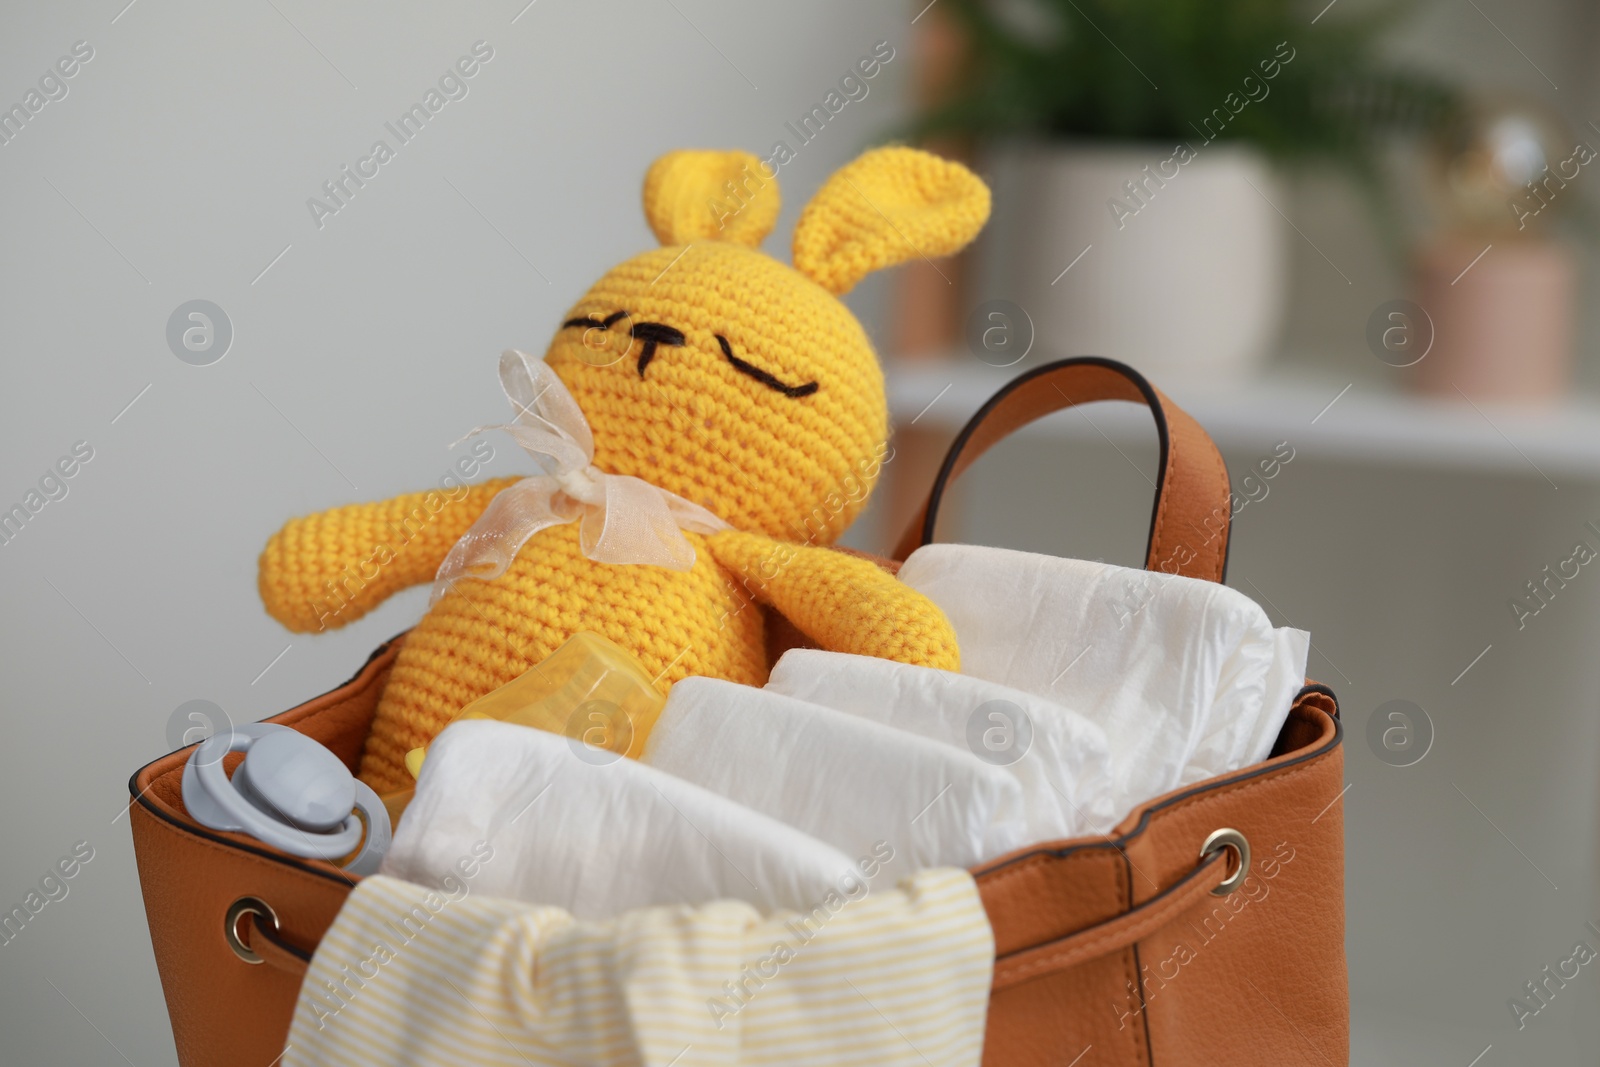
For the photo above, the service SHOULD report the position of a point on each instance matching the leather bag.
(1207, 928)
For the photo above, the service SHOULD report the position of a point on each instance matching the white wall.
(189, 144)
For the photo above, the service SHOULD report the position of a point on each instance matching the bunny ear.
(710, 196)
(890, 205)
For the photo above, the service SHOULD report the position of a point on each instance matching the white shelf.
(1561, 441)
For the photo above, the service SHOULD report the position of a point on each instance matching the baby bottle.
(588, 689)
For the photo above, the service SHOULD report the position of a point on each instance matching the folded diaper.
(1188, 678)
(845, 780)
(1060, 759)
(574, 828)
(412, 977)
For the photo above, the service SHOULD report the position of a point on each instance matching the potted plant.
(1134, 148)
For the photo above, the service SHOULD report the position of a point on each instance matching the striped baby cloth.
(413, 977)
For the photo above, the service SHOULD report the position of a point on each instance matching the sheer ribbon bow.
(622, 519)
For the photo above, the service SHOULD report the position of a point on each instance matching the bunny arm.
(324, 570)
(845, 603)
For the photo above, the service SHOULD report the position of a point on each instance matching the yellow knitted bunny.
(704, 368)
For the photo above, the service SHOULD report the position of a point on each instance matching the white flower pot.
(1182, 275)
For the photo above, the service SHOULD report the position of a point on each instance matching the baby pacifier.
(291, 793)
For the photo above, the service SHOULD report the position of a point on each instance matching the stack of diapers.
(1187, 678)
(1086, 690)
(1060, 760)
(597, 834)
(422, 977)
(848, 781)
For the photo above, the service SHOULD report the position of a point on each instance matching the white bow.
(624, 519)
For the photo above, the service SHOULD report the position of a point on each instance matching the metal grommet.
(1230, 839)
(230, 925)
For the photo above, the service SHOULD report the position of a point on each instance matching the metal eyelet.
(1230, 839)
(230, 925)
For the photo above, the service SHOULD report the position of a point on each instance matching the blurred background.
(1361, 233)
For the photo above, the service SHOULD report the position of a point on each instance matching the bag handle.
(1192, 518)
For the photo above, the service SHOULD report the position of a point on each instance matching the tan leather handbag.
(1208, 928)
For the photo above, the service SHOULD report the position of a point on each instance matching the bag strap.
(1190, 523)
(278, 952)
(254, 941)
(1126, 929)
(1113, 935)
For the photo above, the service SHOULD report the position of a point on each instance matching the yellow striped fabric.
(408, 976)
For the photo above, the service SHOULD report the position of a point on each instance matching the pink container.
(1503, 325)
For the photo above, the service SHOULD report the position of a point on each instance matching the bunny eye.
(766, 378)
(651, 333)
(594, 323)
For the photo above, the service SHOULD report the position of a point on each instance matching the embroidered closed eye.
(651, 333)
(766, 378)
(594, 323)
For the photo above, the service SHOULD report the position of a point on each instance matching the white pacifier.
(290, 792)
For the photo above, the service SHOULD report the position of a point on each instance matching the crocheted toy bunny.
(722, 410)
